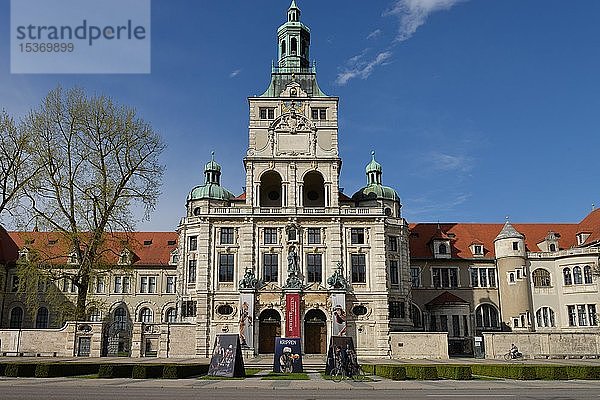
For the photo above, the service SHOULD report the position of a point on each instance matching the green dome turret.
(212, 188)
(374, 189)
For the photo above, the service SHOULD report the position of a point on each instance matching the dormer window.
(125, 257)
(477, 249)
(24, 254)
(582, 237)
(552, 247)
(147, 242)
(174, 257)
(72, 259)
(441, 249)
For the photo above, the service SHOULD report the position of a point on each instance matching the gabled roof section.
(446, 298)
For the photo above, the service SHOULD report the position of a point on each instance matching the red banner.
(292, 315)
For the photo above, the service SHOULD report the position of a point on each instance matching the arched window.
(486, 316)
(442, 249)
(552, 247)
(120, 314)
(567, 277)
(271, 190)
(587, 274)
(42, 319)
(541, 278)
(314, 190)
(16, 318)
(145, 315)
(171, 315)
(577, 277)
(293, 46)
(545, 317)
(283, 48)
(511, 277)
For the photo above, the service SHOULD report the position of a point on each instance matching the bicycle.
(511, 357)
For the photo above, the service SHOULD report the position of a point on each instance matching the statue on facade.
(337, 280)
(249, 281)
(293, 281)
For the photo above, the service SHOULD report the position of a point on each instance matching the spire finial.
(373, 154)
(212, 154)
(507, 218)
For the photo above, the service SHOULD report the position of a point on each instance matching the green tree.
(97, 162)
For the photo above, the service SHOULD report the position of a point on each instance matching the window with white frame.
(95, 315)
(582, 315)
(359, 268)
(148, 284)
(486, 317)
(146, 315)
(227, 236)
(121, 284)
(314, 268)
(193, 243)
(171, 315)
(226, 267)
(100, 287)
(270, 267)
(545, 317)
(191, 271)
(415, 277)
(171, 284)
(444, 277)
(270, 236)
(314, 236)
(357, 236)
(483, 277)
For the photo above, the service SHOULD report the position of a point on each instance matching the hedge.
(52, 370)
(421, 372)
(179, 371)
(2, 368)
(26, 370)
(115, 371)
(510, 371)
(393, 372)
(551, 372)
(583, 371)
(456, 372)
(147, 371)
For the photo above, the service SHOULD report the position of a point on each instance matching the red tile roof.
(240, 197)
(148, 248)
(343, 197)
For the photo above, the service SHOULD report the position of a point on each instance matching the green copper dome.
(373, 166)
(374, 189)
(210, 191)
(212, 188)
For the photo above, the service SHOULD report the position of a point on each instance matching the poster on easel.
(338, 317)
(341, 348)
(288, 355)
(246, 327)
(227, 360)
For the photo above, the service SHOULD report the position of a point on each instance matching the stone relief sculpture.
(337, 280)
(249, 281)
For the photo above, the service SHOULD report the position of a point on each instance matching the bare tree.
(97, 161)
(16, 169)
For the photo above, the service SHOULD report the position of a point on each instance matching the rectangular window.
(151, 284)
(314, 267)
(572, 316)
(465, 325)
(144, 284)
(483, 277)
(314, 236)
(357, 236)
(445, 277)
(318, 113)
(118, 284)
(455, 326)
(582, 315)
(592, 314)
(433, 324)
(15, 284)
(126, 285)
(227, 236)
(270, 235)
(267, 113)
(193, 240)
(515, 246)
(474, 277)
(415, 277)
(492, 277)
(100, 284)
(478, 249)
(191, 271)
(188, 308)
(393, 240)
(394, 279)
(359, 268)
(396, 309)
(270, 267)
(171, 281)
(225, 267)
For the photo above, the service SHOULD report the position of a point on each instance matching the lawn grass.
(277, 376)
(252, 371)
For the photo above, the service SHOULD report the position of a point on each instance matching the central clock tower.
(292, 160)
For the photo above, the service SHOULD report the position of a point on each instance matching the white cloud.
(235, 73)
(358, 68)
(447, 162)
(413, 13)
(374, 34)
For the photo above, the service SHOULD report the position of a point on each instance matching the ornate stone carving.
(249, 281)
(337, 280)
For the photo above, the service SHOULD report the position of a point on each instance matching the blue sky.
(477, 109)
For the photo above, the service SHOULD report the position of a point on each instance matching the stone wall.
(541, 345)
(405, 345)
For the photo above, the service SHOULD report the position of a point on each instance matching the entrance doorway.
(269, 327)
(315, 332)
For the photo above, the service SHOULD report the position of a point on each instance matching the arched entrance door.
(315, 332)
(269, 327)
